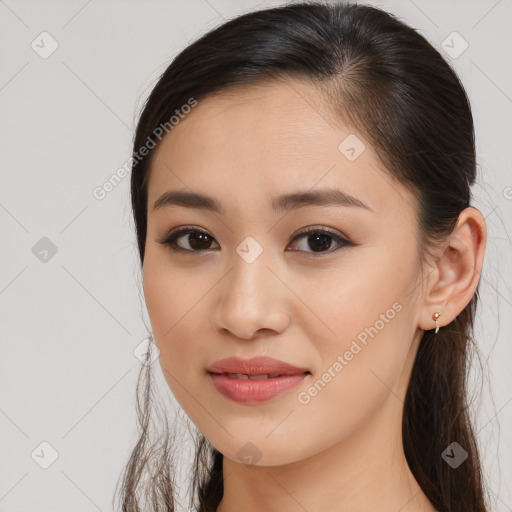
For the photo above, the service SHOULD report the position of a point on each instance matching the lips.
(243, 376)
(254, 368)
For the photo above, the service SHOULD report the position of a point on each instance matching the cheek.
(173, 308)
(173, 301)
(361, 364)
(363, 316)
(168, 292)
(348, 299)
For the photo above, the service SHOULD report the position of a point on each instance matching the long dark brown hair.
(385, 79)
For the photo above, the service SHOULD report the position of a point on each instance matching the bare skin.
(342, 450)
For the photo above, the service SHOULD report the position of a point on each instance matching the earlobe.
(458, 271)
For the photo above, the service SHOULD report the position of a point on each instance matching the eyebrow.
(294, 200)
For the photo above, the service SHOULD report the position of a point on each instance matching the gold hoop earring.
(435, 316)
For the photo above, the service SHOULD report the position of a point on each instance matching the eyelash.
(170, 239)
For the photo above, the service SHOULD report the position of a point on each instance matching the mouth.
(261, 367)
(256, 388)
(263, 376)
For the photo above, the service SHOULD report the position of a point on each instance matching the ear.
(453, 281)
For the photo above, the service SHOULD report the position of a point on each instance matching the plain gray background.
(71, 305)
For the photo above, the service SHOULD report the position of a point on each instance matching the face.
(327, 286)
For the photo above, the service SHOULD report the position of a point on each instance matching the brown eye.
(188, 240)
(319, 241)
(316, 241)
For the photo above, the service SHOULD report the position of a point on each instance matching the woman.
(301, 195)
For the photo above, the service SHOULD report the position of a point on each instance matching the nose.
(251, 300)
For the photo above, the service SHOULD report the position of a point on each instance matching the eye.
(190, 239)
(320, 240)
(197, 240)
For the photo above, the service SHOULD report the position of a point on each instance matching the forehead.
(279, 114)
(268, 139)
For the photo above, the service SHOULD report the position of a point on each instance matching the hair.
(393, 86)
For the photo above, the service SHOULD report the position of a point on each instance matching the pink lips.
(245, 390)
(254, 366)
